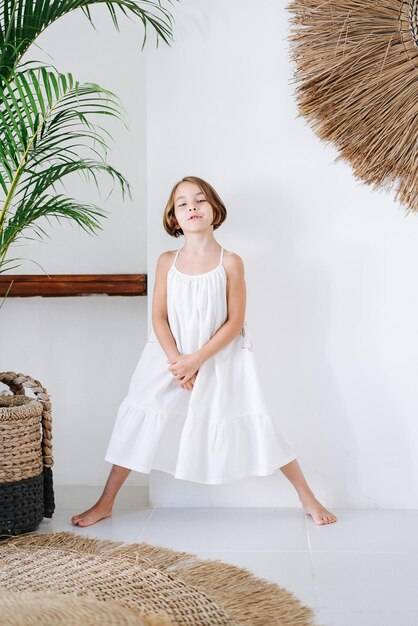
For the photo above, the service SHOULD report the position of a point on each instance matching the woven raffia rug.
(63, 578)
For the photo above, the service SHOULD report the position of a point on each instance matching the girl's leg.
(310, 504)
(104, 505)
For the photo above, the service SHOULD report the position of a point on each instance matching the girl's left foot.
(319, 513)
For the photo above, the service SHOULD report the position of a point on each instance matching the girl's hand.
(190, 384)
(184, 366)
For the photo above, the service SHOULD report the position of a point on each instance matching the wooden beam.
(60, 285)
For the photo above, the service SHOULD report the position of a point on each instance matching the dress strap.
(222, 256)
(175, 258)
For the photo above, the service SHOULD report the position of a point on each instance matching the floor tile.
(369, 530)
(325, 617)
(245, 529)
(366, 581)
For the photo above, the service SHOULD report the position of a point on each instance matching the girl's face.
(189, 201)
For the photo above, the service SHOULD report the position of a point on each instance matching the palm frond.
(46, 134)
(21, 21)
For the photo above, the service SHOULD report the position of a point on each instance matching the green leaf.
(45, 125)
(22, 21)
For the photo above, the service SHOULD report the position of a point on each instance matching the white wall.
(330, 265)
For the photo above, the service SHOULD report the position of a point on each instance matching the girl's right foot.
(91, 516)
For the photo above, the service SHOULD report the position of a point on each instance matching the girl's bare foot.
(319, 513)
(91, 516)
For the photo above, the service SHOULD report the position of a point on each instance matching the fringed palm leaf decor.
(356, 70)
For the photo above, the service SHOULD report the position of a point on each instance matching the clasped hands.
(185, 368)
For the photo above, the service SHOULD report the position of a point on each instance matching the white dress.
(218, 432)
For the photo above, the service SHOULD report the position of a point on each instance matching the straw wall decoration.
(356, 71)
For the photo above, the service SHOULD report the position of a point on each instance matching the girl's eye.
(185, 203)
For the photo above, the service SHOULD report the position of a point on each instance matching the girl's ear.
(174, 222)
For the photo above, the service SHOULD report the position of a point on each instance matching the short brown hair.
(219, 209)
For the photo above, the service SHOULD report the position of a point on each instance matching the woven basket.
(26, 488)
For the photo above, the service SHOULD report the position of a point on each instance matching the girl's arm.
(236, 301)
(159, 307)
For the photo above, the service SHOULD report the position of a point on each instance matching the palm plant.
(47, 130)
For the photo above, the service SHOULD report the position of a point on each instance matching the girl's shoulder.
(164, 262)
(234, 256)
(166, 256)
(232, 262)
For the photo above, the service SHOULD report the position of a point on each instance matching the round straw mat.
(171, 587)
(49, 608)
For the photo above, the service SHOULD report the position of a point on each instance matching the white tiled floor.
(360, 571)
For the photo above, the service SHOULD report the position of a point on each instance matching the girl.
(195, 407)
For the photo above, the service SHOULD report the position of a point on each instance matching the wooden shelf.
(64, 285)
